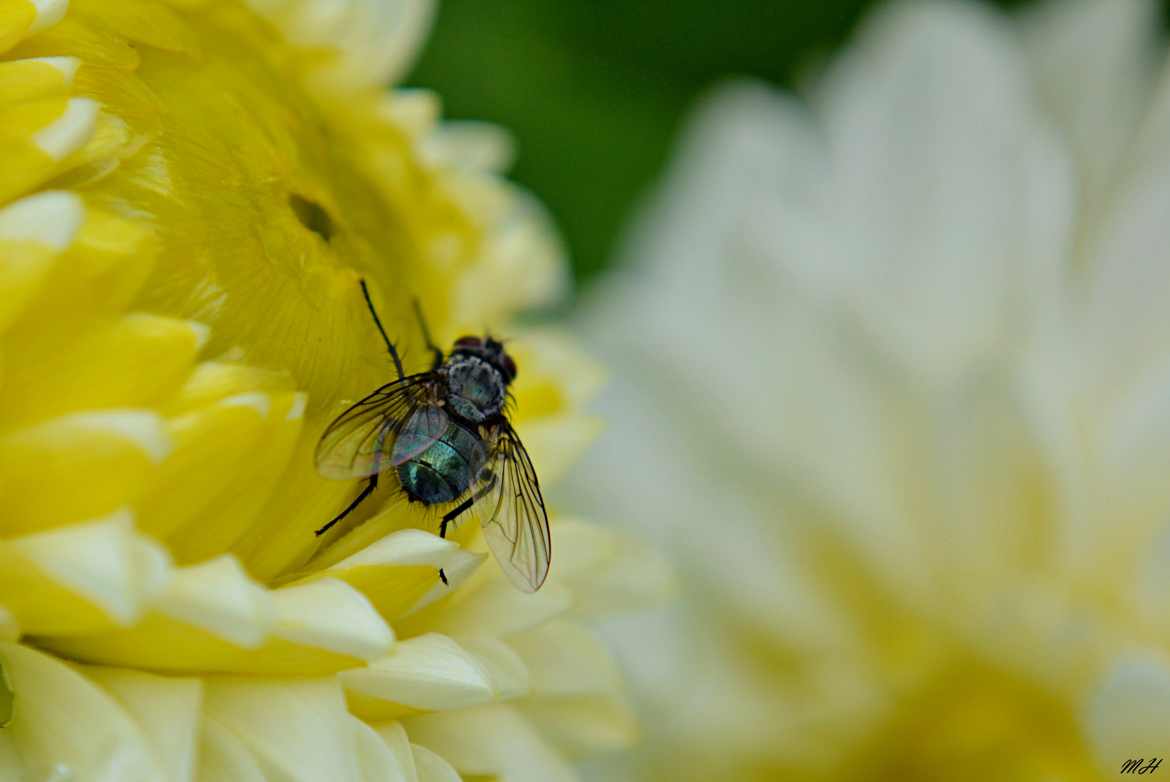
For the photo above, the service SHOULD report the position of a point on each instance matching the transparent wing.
(511, 510)
(359, 441)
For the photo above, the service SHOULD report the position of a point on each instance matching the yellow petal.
(21, 18)
(200, 466)
(166, 709)
(399, 570)
(298, 730)
(33, 232)
(36, 77)
(227, 513)
(37, 137)
(81, 578)
(134, 361)
(78, 466)
(63, 721)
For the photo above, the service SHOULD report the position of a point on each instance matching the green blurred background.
(594, 90)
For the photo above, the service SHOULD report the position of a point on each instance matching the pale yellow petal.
(81, 578)
(426, 672)
(398, 571)
(394, 736)
(167, 711)
(297, 729)
(489, 740)
(222, 756)
(64, 721)
(431, 767)
(494, 608)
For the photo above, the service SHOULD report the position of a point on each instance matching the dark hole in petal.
(312, 215)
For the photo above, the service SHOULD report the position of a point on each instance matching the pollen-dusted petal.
(81, 578)
(36, 77)
(297, 729)
(78, 466)
(63, 721)
(397, 571)
(422, 673)
(200, 467)
(134, 361)
(222, 756)
(33, 232)
(492, 740)
(166, 709)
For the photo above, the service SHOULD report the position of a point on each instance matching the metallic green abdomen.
(443, 471)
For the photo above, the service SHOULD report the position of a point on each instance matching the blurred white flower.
(892, 378)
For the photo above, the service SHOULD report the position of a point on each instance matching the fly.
(446, 436)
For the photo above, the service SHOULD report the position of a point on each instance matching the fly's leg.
(389, 345)
(461, 508)
(369, 488)
(426, 332)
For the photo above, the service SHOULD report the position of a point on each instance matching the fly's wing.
(511, 510)
(359, 441)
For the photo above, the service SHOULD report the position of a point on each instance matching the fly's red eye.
(469, 342)
(510, 367)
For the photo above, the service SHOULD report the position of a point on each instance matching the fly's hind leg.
(461, 508)
(369, 488)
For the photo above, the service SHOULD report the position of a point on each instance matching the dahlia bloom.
(902, 349)
(190, 192)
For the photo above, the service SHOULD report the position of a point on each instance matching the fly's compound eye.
(468, 342)
(509, 367)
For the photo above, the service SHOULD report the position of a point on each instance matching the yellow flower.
(190, 192)
(903, 350)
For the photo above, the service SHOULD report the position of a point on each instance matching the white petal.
(431, 767)
(1094, 62)
(222, 756)
(1128, 715)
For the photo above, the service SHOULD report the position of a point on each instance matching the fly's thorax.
(475, 388)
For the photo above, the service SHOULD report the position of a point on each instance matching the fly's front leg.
(393, 351)
(461, 508)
